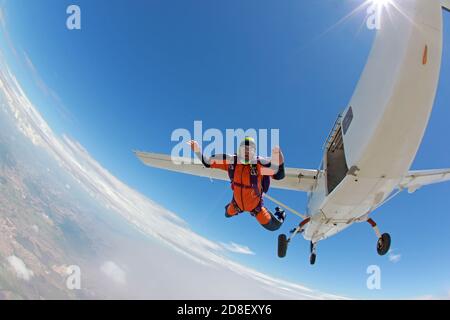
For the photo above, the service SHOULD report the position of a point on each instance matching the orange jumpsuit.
(245, 197)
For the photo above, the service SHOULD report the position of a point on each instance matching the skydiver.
(250, 178)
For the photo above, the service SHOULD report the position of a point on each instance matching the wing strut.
(285, 207)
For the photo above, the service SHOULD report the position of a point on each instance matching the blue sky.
(140, 69)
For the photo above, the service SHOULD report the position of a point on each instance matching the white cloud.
(237, 248)
(394, 257)
(22, 272)
(114, 272)
(149, 217)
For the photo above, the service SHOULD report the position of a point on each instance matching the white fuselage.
(391, 107)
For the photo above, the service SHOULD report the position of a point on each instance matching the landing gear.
(384, 240)
(283, 240)
(282, 245)
(384, 244)
(312, 257)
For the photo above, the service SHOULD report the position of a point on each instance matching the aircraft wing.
(296, 179)
(417, 179)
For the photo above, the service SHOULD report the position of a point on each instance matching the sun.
(382, 3)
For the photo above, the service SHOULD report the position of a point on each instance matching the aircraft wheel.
(282, 245)
(312, 258)
(384, 244)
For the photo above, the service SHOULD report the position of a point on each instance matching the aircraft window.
(347, 120)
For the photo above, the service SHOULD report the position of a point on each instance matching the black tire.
(312, 259)
(282, 245)
(384, 244)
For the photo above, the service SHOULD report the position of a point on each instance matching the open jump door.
(334, 156)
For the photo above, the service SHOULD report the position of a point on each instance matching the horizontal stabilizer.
(417, 179)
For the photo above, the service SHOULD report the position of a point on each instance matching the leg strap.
(232, 209)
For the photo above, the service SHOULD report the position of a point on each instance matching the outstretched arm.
(217, 161)
(275, 167)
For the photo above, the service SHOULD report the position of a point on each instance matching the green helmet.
(248, 141)
(247, 150)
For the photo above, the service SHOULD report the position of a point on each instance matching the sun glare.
(381, 3)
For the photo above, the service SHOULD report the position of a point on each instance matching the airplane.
(373, 143)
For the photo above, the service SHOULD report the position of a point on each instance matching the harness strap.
(236, 207)
(258, 208)
(240, 185)
(232, 168)
(254, 179)
(253, 185)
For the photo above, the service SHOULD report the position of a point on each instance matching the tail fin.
(446, 4)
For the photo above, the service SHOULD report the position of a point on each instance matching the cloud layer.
(237, 248)
(146, 215)
(114, 272)
(20, 268)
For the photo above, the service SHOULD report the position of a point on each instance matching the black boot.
(280, 214)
